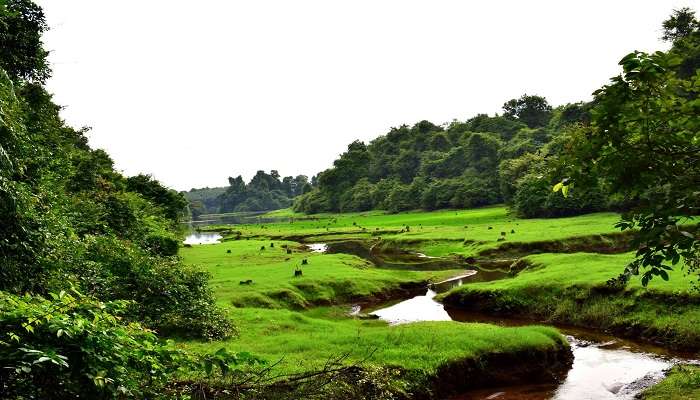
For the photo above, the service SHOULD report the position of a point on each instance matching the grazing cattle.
(503, 233)
(272, 245)
(248, 282)
(289, 251)
(501, 239)
(262, 247)
(490, 227)
(304, 262)
(228, 251)
(512, 231)
(287, 259)
(297, 272)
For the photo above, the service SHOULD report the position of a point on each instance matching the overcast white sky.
(196, 91)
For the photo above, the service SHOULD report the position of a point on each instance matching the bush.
(168, 296)
(534, 198)
(163, 245)
(73, 346)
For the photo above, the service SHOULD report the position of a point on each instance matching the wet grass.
(436, 233)
(326, 279)
(288, 318)
(682, 383)
(572, 289)
(306, 340)
(277, 320)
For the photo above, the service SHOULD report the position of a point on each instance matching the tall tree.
(22, 53)
(534, 111)
(644, 143)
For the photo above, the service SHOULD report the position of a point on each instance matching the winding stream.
(604, 367)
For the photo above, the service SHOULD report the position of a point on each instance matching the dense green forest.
(88, 257)
(263, 192)
(515, 157)
(484, 160)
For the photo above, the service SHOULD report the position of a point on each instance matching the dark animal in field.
(501, 239)
(287, 259)
(284, 246)
(188, 245)
(228, 251)
(297, 272)
(289, 251)
(503, 233)
(262, 247)
(248, 282)
(304, 262)
(512, 231)
(272, 245)
(490, 227)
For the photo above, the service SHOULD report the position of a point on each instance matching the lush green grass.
(682, 383)
(276, 320)
(436, 233)
(572, 289)
(327, 278)
(305, 340)
(585, 270)
(279, 315)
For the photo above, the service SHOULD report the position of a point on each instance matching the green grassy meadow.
(304, 321)
(278, 318)
(682, 383)
(436, 233)
(572, 289)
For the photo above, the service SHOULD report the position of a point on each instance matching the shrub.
(73, 346)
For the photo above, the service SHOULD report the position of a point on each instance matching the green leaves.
(70, 344)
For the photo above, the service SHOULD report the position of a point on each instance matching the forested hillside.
(515, 157)
(484, 160)
(263, 192)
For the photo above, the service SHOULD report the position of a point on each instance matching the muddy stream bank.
(604, 366)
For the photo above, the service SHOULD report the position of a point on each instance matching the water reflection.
(419, 308)
(202, 238)
(318, 247)
(605, 367)
(253, 217)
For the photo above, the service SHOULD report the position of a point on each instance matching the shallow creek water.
(604, 367)
(195, 237)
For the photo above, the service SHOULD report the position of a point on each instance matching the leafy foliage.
(68, 218)
(263, 192)
(644, 143)
(21, 51)
(71, 345)
(534, 111)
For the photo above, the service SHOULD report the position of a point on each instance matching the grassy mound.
(326, 278)
(572, 289)
(682, 383)
(279, 318)
(435, 233)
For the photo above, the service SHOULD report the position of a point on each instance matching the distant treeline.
(263, 192)
(484, 160)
